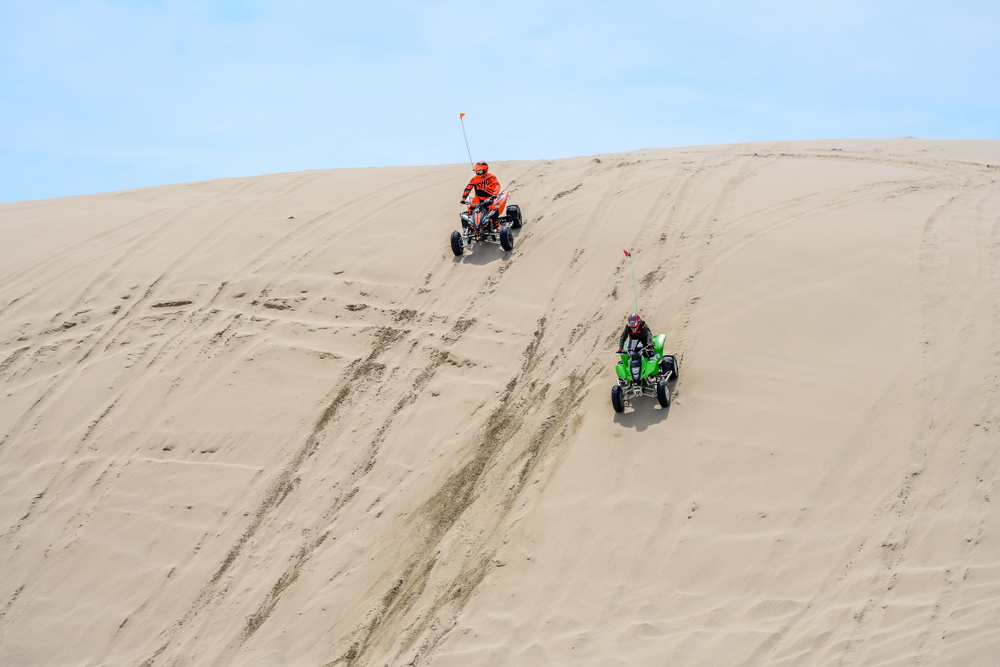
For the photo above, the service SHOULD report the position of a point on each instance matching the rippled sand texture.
(274, 421)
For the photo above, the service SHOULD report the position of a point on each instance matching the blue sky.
(100, 95)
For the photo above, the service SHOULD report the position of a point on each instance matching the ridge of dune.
(274, 421)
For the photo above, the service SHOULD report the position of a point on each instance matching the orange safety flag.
(461, 116)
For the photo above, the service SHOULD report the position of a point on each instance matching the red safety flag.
(627, 254)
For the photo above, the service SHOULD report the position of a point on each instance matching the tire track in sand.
(404, 623)
(352, 390)
(366, 464)
(281, 486)
(891, 540)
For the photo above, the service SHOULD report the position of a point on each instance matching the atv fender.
(658, 341)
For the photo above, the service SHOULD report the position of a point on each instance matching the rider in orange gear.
(486, 185)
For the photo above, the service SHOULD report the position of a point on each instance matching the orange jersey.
(486, 186)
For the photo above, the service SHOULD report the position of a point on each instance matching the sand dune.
(273, 420)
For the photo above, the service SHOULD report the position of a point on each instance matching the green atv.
(644, 372)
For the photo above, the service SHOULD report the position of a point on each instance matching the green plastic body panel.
(658, 341)
(649, 366)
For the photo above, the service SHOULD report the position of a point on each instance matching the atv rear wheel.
(663, 394)
(616, 399)
(506, 238)
(456, 244)
(514, 213)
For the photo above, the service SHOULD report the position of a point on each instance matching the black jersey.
(644, 334)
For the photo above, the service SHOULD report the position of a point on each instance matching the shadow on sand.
(485, 253)
(644, 412)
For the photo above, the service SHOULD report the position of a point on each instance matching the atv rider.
(485, 184)
(638, 330)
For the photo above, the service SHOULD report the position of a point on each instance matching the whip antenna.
(461, 117)
(634, 290)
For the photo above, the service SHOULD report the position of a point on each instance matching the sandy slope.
(273, 421)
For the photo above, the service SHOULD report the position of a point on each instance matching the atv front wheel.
(456, 244)
(663, 394)
(671, 365)
(616, 399)
(506, 238)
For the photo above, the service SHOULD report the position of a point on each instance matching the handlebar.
(645, 351)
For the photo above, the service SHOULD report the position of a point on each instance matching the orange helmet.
(634, 322)
(481, 168)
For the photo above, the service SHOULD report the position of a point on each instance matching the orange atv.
(488, 221)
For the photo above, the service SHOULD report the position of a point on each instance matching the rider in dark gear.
(636, 329)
